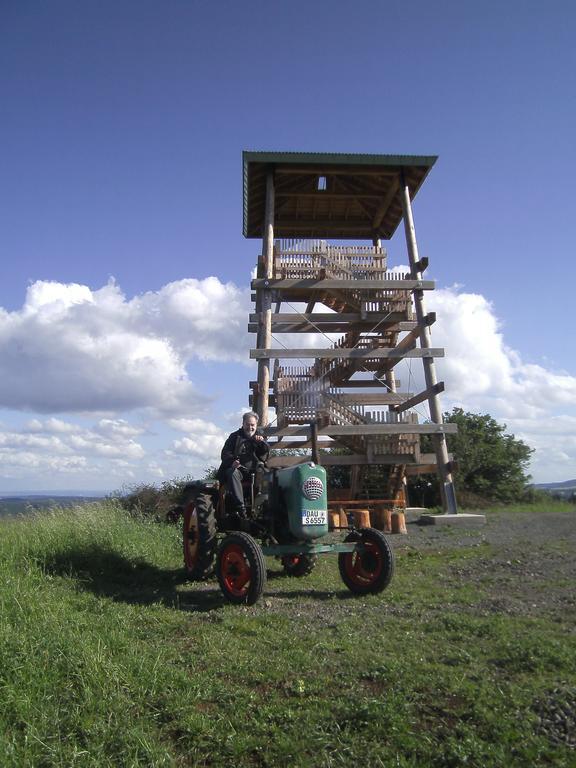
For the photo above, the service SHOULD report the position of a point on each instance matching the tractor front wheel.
(368, 571)
(299, 565)
(241, 569)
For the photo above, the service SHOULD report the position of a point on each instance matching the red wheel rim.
(364, 567)
(235, 570)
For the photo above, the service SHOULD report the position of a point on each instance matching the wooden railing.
(302, 259)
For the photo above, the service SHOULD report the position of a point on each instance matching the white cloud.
(195, 425)
(206, 447)
(117, 428)
(55, 448)
(71, 349)
(482, 374)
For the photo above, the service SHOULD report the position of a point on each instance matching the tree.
(491, 464)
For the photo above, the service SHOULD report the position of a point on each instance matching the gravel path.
(531, 562)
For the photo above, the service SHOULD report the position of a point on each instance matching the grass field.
(109, 658)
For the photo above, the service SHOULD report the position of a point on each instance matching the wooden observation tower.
(357, 319)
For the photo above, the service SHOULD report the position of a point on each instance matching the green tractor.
(287, 517)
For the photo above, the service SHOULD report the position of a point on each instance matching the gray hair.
(248, 415)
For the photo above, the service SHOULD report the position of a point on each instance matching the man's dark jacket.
(247, 450)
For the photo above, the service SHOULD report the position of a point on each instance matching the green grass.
(108, 658)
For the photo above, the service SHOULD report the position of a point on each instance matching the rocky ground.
(530, 559)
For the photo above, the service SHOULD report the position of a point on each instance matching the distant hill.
(20, 504)
(553, 486)
(564, 490)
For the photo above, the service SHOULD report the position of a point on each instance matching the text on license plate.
(314, 517)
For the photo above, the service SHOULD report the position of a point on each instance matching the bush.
(146, 501)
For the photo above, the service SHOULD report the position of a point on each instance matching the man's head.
(249, 423)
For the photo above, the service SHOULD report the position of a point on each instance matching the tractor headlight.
(313, 488)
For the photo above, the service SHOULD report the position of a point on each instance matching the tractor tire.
(241, 569)
(199, 537)
(299, 565)
(371, 571)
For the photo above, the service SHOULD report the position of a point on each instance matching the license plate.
(314, 517)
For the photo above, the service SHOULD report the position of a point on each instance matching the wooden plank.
(385, 204)
(352, 460)
(360, 459)
(300, 326)
(263, 303)
(337, 317)
(436, 389)
(421, 265)
(324, 195)
(253, 384)
(344, 353)
(335, 170)
(336, 430)
(356, 285)
(440, 445)
(284, 445)
(358, 227)
(409, 341)
(421, 469)
(430, 458)
(379, 398)
(365, 384)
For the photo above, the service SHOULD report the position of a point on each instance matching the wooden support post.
(361, 518)
(398, 522)
(441, 449)
(264, 303)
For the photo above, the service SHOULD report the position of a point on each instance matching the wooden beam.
(359, 459)
(385, 204)
(253, 384)
(379, 398)
(355, 430)
(409, 341)
(425, 465)
(334, 170)
(420, 398)
(345, 353)
(339, 327)
(421, 469)
(349, 228)
(285, 445)
(441, 450)
(382, 397)
(324, 195)
(350, 461)
(365, 384)
(327, 317)
(342, 285)
(421, 265)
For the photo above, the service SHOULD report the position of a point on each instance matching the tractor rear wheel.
(199, 537)
(371, 570)
(299, 565)
(241, 569)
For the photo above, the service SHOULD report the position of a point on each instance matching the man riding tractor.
(243, 451)
(252, 512)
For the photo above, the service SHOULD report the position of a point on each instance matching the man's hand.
(259, 437)
(235, 464)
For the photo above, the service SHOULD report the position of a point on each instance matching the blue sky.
(121, 136)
